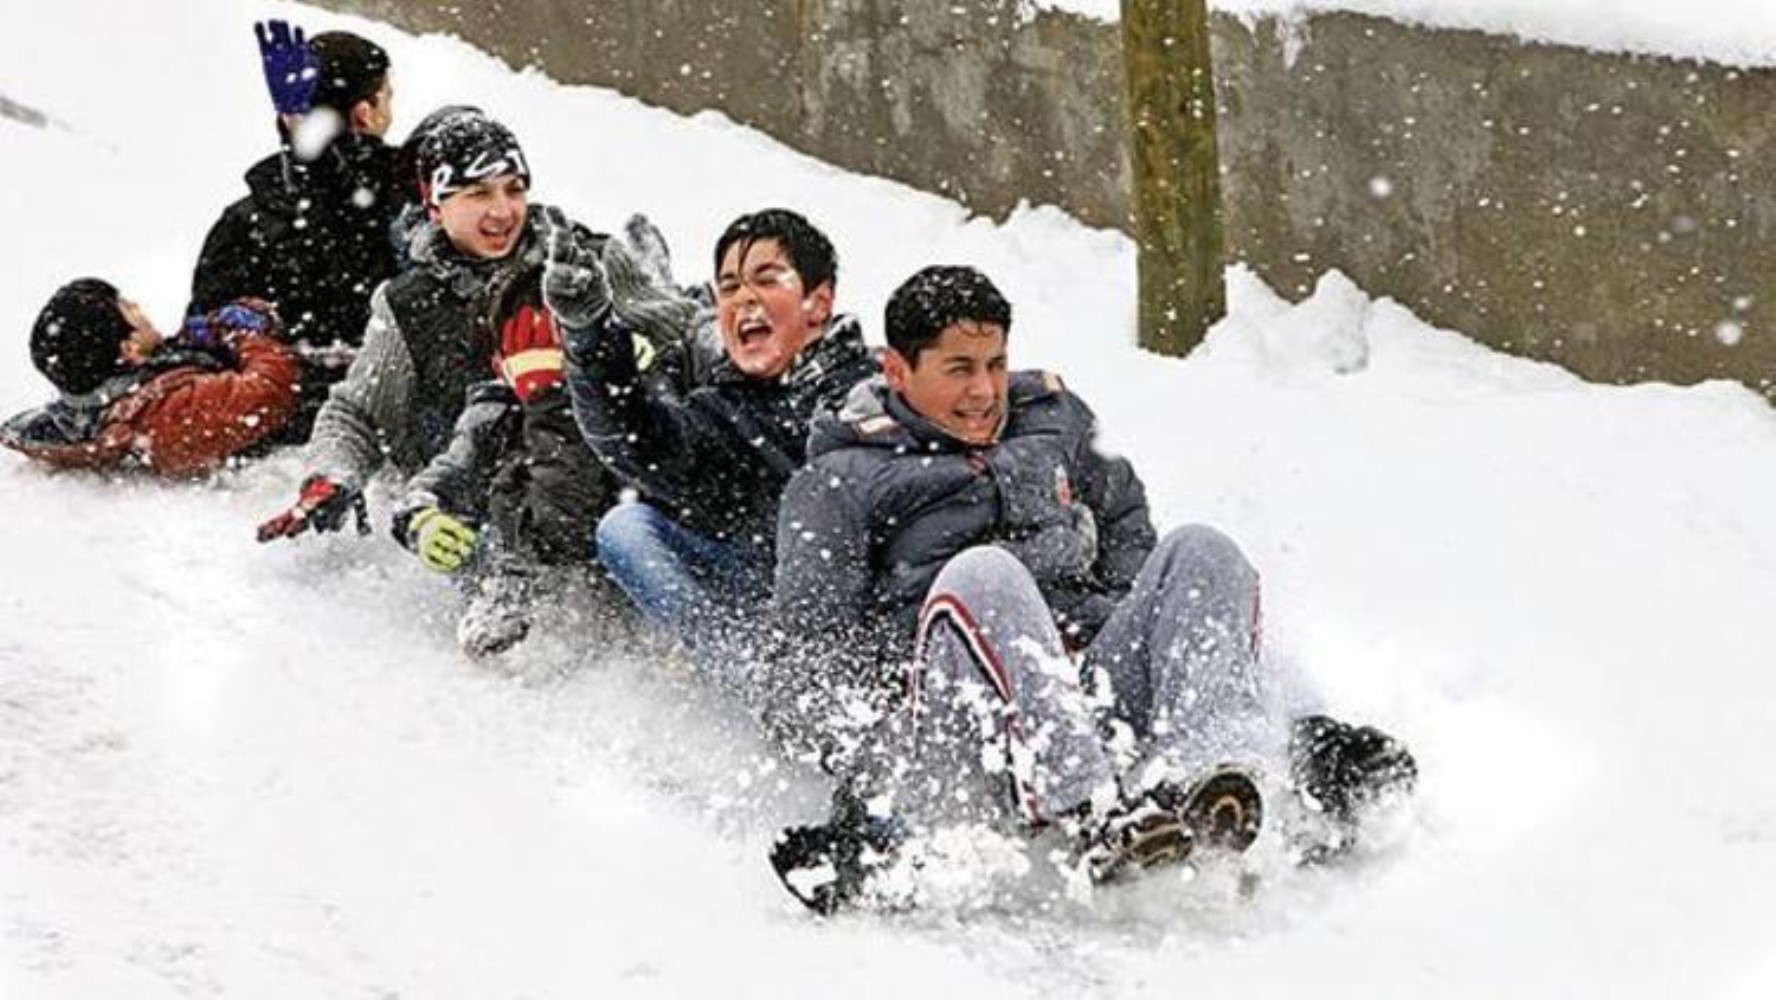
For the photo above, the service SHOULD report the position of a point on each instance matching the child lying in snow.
(131, 398)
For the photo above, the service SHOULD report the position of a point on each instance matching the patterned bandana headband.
(466, 149)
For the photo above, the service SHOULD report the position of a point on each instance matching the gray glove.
(574, 284)
(648, 245)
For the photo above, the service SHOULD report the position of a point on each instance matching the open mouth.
(752, 331)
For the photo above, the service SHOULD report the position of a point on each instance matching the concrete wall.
(1609, 213)
(961, 97)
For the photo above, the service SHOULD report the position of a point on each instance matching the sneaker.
(1170, 822)
(828, 866)
(1341, 770)
(1145, 833)
(498, 616)
(1225, 810)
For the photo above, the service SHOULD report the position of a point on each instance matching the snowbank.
(1734, 32)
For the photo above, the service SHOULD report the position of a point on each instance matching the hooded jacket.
(888, 497)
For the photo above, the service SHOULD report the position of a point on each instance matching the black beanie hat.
(349, 69)
(75, 340)
(464, 148)
(407, 168)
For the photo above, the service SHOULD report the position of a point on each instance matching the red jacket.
(184, 422)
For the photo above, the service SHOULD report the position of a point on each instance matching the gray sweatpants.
(1004, 719)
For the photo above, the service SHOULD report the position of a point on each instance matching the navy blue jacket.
(716, 458)
(887, 498)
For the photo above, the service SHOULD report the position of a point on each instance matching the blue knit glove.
(291, 71)
(221, 325)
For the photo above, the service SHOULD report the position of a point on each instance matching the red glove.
(530, 358)
(322, 506)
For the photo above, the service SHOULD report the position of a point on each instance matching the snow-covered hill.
(234, 770)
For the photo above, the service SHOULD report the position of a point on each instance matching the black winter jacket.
(717, 459)
(313, 239)
(887, 498)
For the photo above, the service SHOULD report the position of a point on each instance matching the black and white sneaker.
(828, 865)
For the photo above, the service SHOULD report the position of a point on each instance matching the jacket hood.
(75, 419)
(838, 347)
(430, 249)
(282, 180)
(65, 421)
(874, 416)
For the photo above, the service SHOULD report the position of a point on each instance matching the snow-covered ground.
(234, 770)
(1734, 32)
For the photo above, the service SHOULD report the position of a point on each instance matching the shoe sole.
(804, 858)
(1224, 811)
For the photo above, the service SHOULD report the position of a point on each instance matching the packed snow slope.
(245, 771)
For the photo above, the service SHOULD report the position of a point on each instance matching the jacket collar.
(430, 250)
(349, 163)
(875, 416)
(839, 346)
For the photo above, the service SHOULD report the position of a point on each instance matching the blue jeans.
(702, 590)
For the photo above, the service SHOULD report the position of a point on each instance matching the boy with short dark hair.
(312, 235)
(132, 398)
(960, 513)
(696, 556)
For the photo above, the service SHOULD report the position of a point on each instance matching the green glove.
(442, 542)
(644, 353)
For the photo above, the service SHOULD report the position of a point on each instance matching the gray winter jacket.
(384, 410)
(887, 498)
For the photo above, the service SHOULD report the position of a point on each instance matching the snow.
(236, 770)
(1734, 32)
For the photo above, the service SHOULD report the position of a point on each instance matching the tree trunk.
(1177, 196)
